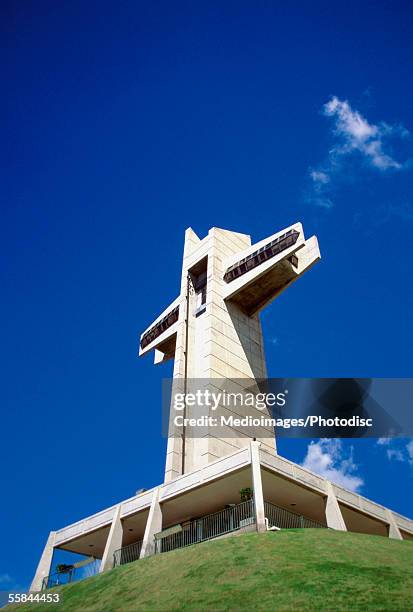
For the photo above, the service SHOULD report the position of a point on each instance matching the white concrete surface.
(153, 525)
(334, 517)
(394, 531)
(45, 563)
(257, 487)
(114, 541)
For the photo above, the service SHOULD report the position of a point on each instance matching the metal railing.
(72, 575)
(286, 519)
(207, 527)
(127, 554)
(211, 526)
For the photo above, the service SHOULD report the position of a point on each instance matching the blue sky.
(122, 125)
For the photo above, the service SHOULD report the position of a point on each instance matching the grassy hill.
(294, 570)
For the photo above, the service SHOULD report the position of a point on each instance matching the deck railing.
(287, 519)
(72, 575)
(211, 526)
(208, 527)
(127, 554)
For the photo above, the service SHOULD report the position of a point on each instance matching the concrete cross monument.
(213, 331)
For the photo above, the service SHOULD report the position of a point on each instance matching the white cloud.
(383, 441)
(327, 458)
(355, 133)
(355, 137)
(397, 449)
(319, 177)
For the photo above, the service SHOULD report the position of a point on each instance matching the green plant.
(246, 494)
(63, 568)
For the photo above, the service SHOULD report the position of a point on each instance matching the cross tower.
(212, 329)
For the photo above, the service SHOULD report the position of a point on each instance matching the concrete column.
(114, 541)
(394, 531)
(257, 486)
(153, 525)
(45, 564)
(333, 513)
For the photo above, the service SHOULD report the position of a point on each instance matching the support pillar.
(394, 531)
(257, 486)
(114, 541)
(153, 525)
(334, 517)
(45, 564)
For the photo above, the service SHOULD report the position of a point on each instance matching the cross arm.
(160, 335)
(257, 275)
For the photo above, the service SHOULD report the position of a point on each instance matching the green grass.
(294, 570)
